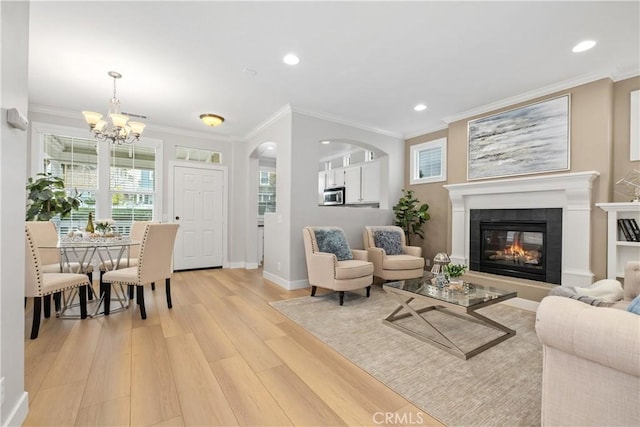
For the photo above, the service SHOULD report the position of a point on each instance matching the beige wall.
(599, 141)
(621, 119)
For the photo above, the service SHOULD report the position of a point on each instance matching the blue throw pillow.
(634, 307)
(389, 240)
(333, 242)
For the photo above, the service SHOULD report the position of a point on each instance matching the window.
(76, 161)
(198, 155)
(115, 181)
(429, 162)
(132, 184)
(266, 191)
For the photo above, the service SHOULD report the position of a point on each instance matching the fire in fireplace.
(523, 243)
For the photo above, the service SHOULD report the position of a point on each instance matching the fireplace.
(523, 243)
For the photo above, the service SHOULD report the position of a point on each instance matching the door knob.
(177, 218)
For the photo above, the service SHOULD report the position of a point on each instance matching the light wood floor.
(221, 356)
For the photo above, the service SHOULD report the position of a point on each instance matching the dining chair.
(41, 285)
(45, 237)
(155, 262)
(135, 234)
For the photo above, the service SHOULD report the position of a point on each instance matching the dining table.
(109, 251)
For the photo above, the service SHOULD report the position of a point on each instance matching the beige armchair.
(331, 264)
(392, 258)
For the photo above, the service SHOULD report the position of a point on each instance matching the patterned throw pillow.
(333, 242)
(389, 240)
(634, 307)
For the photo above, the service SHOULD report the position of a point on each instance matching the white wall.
(276, 225)
(307, 132)
(14, 17)
(298, 136)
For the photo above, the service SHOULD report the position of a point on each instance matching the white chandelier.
(116, 127)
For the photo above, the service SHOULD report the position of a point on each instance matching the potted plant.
(410, 215)
(454, 271)
(47, 198)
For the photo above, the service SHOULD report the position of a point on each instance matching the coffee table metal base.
(447, 345)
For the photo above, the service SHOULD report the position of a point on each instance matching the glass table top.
(464, 294)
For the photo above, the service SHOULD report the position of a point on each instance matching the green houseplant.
(47, 198)
(454, 271)
(410, 215)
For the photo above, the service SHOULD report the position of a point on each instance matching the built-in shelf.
(619, 250)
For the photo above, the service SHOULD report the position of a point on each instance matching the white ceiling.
(366, 63)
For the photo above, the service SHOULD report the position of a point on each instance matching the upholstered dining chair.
(331, 264)
(155, 262)
(136, 234)
(391, 257)
(45, 237)
(41, 285)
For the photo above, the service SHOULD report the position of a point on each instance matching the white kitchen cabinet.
(330, 178)
(362, 183)
(619, 250)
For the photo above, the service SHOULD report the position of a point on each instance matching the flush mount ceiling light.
(116, 127)
(420, 107)
(583, 45)
(212, 120)
(291, 59)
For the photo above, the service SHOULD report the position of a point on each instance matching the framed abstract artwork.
(525, 140)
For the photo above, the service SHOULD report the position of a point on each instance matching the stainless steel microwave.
(333, 196)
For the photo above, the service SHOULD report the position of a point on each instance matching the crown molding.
(527, 96)
(53, 111)
(426, 131)
(621, 74)
(338, 120)
(285, 109)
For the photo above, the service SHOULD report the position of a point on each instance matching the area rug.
(498, 387)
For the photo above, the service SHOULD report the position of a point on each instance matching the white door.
(200, 209)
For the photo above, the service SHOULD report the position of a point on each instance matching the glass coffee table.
(461, 301)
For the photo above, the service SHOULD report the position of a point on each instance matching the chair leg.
(341, 293)
(140, 298)
(153, 286)
(90, 276)
(47, 306)
(83, 301)
(35, 327)
(130, 287)
(56, 301)
(105, 291)
(368, 291)
(168, 286)
(313, 290)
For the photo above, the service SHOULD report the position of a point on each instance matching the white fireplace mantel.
(569, 191)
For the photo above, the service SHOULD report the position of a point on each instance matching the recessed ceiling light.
(270, 147)
(583, 45)
(420, 107)
(325, 142)
(291, 59)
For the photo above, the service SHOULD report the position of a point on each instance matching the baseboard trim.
(287, 284)
(18, 413)
(522, 303)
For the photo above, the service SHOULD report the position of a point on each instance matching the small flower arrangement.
(454, 271)
(105, 226)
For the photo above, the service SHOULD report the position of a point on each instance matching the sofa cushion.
(389, 240)
(402, 262)
(634, 307)
(351, 269)
(333, 241)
